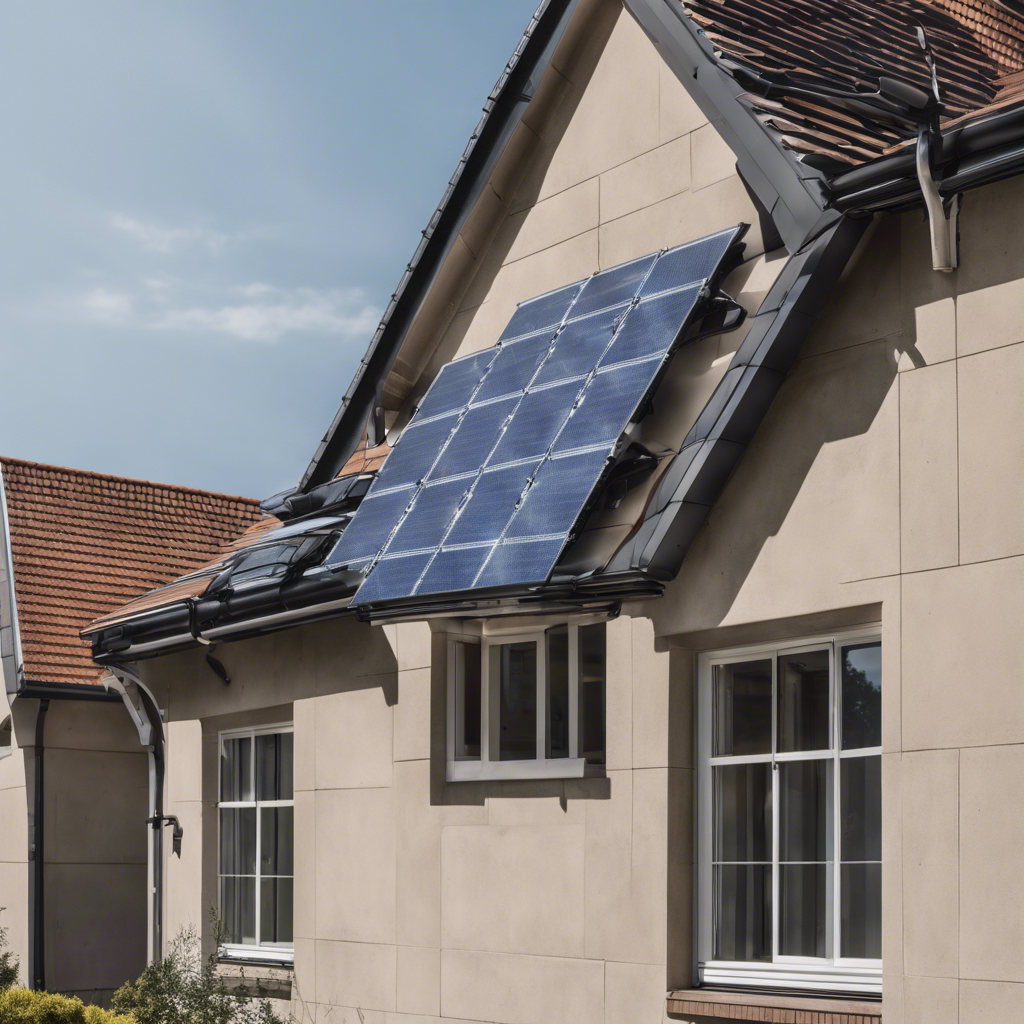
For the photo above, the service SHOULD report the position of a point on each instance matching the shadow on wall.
(334, 656)
(847, 516)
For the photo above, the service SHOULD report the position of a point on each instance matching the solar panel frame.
(548, 435)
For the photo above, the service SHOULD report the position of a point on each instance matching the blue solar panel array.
(487, 481)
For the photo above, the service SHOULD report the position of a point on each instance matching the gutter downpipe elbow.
(144, 713)
(942, 220)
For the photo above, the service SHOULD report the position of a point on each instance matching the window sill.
(553, 768)
(264, 980)
(750, 1006)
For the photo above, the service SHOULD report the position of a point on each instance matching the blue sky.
(206, 207)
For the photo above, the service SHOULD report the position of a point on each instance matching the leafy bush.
(185, 988)
(9, 965)
(21, 1006)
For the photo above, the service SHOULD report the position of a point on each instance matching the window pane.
(558, 691)
(592, 652)
(274, 766)
(518, 713)
(861, 911)
(276, 831)
(236, 768)
(743, 815)
(743, 708)
(275, 910)
(743, 911)
(860, 795)
(804, 796)
(238, 910)
(467, 712)
(803, 894)
(862, 696)
(805, 834)
(238, 840)
(803, 702)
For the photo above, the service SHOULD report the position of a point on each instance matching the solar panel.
(508, 446)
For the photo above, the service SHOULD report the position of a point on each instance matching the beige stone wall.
(96, 804)
(886, 482)
(550, 902)
(96, 781)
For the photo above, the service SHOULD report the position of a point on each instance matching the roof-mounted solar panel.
(486, 484)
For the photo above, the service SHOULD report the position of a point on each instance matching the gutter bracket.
(943, 218)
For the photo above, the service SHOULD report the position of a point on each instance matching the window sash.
(464, 768)
(260, 949)
(833, 972)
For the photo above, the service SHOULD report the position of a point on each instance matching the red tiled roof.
(192, 585)
(85, 543)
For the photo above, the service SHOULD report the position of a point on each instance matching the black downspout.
(156, 823)
(36, 861)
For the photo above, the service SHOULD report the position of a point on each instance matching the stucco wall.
(94, 834)
(542, 901)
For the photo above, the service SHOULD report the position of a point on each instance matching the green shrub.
(185, 988)
(21, 1006)
(9, 965)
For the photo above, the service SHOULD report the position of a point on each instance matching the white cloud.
(157, 238)
(273, 312)
(107, 306)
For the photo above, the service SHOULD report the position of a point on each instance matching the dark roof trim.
(502, 113)
(793, 193)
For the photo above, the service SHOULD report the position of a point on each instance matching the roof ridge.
(95, 474)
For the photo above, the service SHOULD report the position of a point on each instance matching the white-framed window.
(789, 827)
(530, 705)
(6, 737)
(255, 839)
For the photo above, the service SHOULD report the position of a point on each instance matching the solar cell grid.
(485, 485)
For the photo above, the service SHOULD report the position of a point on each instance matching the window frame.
(275, 952)
(835, 973)
(465, 768)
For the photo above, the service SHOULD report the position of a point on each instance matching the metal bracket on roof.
(375, 425)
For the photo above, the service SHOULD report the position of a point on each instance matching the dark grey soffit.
(793, 194)
(712, 449)
(502, 112)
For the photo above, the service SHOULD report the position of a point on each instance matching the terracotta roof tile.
(86, 543)
(978, 48)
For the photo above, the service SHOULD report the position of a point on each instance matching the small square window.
(527, 706)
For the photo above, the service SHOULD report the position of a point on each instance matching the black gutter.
(36, 849)
(893, 178)
(67, 691)
(502, 113)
